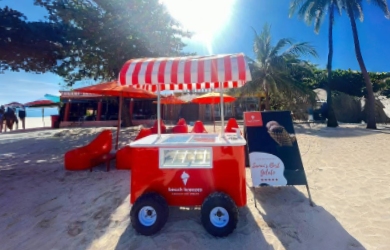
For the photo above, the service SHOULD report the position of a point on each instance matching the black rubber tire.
(159, 204)
(219, 199)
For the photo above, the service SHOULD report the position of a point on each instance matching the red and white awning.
(186, 73)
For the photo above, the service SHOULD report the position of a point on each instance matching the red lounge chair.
(180, 129)
(95, 153)
(182, 122)
(162, 125)
(123, 157)
(143, 133)
(231, 124)
(198, 128)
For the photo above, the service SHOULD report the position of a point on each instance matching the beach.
(45, 207)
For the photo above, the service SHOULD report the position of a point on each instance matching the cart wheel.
(219, 214)
(149, 213)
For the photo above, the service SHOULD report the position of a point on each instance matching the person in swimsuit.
(22, 116)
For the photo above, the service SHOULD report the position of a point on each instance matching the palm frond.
(300, 49)
(382, 4)
(280, 45)
(294, 6)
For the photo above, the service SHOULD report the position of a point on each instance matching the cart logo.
(185, 177)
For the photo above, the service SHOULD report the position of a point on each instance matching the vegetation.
(276, 68)
(30, 46)
(110, 32)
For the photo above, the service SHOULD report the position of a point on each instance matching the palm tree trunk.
(267, 106)
(370, 111)
(332, 121)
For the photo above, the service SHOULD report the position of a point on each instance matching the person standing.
(2, 111)
(22, 116)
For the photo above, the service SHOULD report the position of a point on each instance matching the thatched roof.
(321, 94)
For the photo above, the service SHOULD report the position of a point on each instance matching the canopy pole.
(213, 113)
(222, 111)
(158, 112)
(119, 121)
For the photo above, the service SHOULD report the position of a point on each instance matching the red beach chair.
(96, 152)
(180, 129)
(198, 128)
(231, 125)
(143, 133)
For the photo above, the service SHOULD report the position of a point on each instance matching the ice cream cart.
(206, 170)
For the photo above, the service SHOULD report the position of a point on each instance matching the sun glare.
(206, 18)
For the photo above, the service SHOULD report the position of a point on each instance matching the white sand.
(45, 207)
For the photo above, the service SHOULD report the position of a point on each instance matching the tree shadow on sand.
(184, 230)
(43, 206)
(338, 132)
(298, 225)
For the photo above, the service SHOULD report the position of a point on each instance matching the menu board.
(186, 157)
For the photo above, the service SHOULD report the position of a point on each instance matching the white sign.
(266, 169)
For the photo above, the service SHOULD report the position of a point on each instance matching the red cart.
(206, 170)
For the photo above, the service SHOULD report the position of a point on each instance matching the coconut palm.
(315, 11)
(270, 68)
(354, 10)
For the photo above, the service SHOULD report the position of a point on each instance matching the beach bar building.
(92, 110)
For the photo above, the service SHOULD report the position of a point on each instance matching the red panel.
(253, 119)
(227, 175)
(122, 74)
(148, 72)
(187, 72)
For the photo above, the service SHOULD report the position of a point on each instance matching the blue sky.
(237, 36)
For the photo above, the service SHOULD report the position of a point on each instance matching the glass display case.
(186, 157)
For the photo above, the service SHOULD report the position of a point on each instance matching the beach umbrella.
(213, 98)
(13, 105)
(113, 89)
(52, 98)
(42, 104)
(171, 100)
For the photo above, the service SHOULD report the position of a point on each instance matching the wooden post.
(67, 109)
(131, 108)
(99, 110)
(119, 121)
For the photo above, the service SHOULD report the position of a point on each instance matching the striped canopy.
(186, 73)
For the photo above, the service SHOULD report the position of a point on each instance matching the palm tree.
(314, 11)
(354, 9)
(272, 63)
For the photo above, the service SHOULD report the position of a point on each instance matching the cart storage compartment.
(185, 176)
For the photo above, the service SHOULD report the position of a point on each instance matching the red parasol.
(171, 100)
(113, 89)
(41, 104)
(213, 98)
(14, 105)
